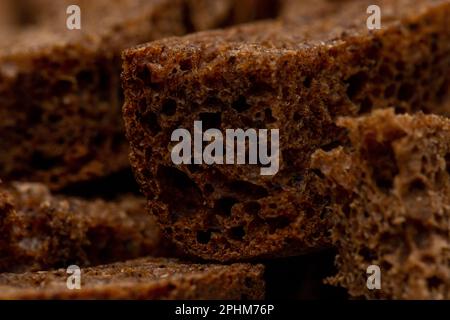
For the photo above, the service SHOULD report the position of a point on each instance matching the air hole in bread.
(318, 173)
(434, 282)
(40, 161)
(406, 92)
(241, 105)
(169, 107)
(355, 84)
(85, 78)
(224, 205)
(367, 254)
(386, 266)
(237, 233)
(416, 187)
(203, 237)
(185, 65)
(307, 82)
(382, 160)
(330, 146)
(268, 116)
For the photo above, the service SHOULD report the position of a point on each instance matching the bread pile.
(364, 147)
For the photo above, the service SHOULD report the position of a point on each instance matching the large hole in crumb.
(318, 173)
(416, 187)
(208, 189)
(307, 82)
(204, 237)
(406, 92)
(169, 107)
(145, 74)
(381, 158)
(367, 254)
(185, 65)
(237, 233)
(386, 266)
(85, 78)
(330, 146)
(224, 205)
(104, 83)
(269, 118)
(241, 105)
(41, 161)
(355, 84)
(434, 282)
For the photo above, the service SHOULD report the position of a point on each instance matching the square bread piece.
(296, 75)
(391, 205)
(60, 94)
(148, 278)
(42, 231)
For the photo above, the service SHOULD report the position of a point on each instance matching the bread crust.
(147, 278)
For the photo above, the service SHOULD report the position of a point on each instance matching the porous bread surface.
(391, 195)
(41, 231)
(147, 278)
(60, 105)
(294, 75)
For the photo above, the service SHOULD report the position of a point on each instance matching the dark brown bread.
(391, 191)
(298, 76)
(60, 90)
(141, 279)
(40, 231)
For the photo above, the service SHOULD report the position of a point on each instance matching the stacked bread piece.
(363, 168)
(61, 124)
(44, 231)
(149, 278)
(299, 75)
(61, 100)
(391, 196)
